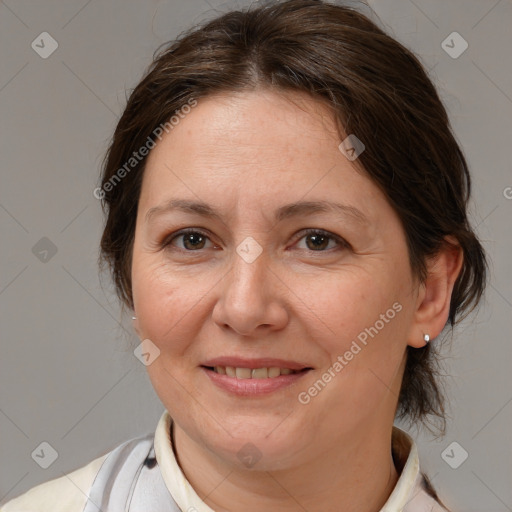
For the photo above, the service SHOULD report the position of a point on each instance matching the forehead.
(256, 126)
(254, 148)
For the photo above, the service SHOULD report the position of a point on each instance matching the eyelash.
(342, 244)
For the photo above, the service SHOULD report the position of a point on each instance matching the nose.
(252, 299)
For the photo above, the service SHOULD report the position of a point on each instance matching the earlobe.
(434, 297)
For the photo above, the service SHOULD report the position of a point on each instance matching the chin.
(268, 446)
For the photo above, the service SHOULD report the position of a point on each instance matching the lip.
(253, 387)
(266, 362)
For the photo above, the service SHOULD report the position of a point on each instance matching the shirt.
(69, 493)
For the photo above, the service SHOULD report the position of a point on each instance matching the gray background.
(68, 375)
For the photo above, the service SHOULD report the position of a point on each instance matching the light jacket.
(142, 475)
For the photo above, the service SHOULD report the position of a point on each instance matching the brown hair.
(377, 90)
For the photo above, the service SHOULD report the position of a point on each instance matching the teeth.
(252, 373)
(274, 371)
(259, 373)
(243, 373)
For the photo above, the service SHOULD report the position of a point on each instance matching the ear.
(434, 295)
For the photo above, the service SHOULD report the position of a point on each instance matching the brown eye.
(322, 241)
(318, 241)
(192, 240)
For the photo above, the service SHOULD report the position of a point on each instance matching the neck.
(359, 475)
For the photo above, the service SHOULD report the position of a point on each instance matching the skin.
(247, 154)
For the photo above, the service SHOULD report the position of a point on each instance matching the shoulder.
(71, 492)
(67, 493)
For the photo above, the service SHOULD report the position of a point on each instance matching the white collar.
(407, 496)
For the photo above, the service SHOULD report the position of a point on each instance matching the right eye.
(193, 240)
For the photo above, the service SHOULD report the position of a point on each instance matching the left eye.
(320, 240)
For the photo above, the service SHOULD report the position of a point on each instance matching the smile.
(253, 373)
(247, 382)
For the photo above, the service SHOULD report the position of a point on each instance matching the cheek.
(365, 345)
(367, 322)
(354, 306)
(168, 309)
(167, 304)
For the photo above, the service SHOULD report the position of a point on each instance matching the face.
(263, 279)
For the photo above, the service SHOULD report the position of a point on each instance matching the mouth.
(270, 372)
(244, 377)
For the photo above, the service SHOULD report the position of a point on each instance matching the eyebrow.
(287, 211)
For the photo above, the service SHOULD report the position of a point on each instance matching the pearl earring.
(134, 318)
(426, 337)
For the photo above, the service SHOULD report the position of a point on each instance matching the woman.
(286, 218)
